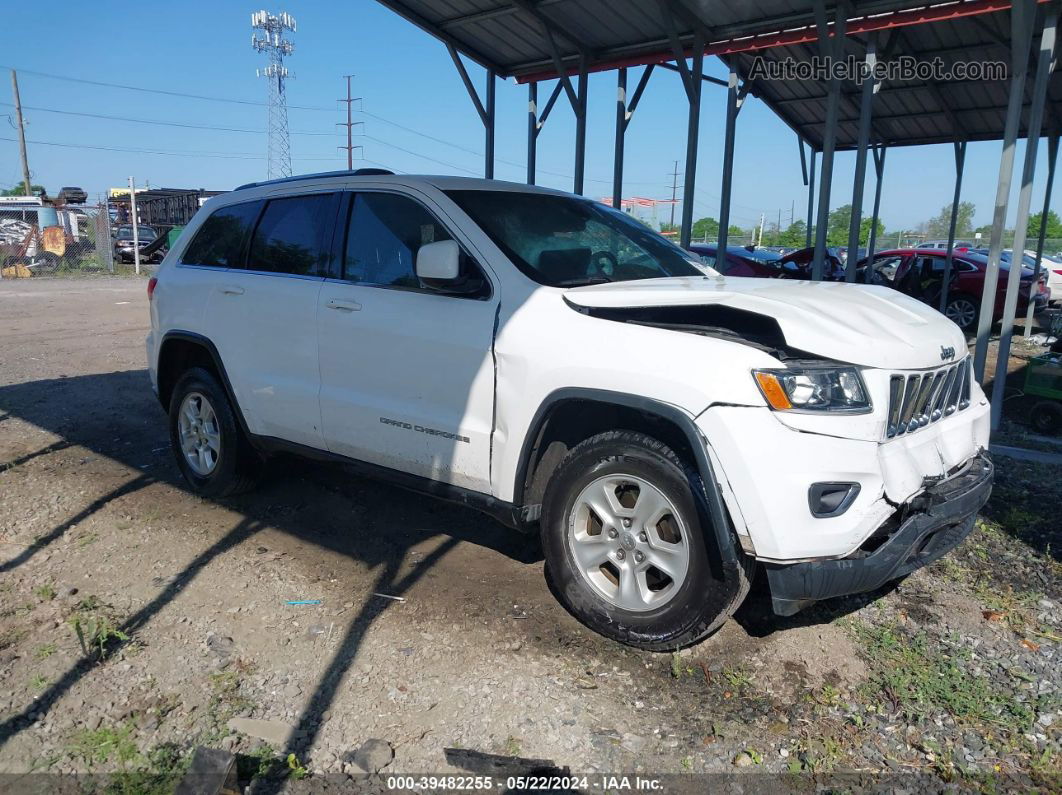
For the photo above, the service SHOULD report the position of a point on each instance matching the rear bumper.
(935, 522)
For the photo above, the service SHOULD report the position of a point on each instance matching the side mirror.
(439, 261)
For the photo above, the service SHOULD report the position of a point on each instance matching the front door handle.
(344, 306)
(231, 289)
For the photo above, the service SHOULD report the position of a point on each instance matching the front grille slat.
(920, 399)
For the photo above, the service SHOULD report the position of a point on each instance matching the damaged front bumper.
(932, 524)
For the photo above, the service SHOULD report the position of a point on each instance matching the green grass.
(44, 652)
(45, 592)
(113, 750)
(922, 680)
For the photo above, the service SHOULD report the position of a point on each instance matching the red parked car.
(739, 262)
(919, 273)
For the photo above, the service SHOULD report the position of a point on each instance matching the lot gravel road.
(138, 621)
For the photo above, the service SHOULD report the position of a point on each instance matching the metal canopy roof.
(512, 37)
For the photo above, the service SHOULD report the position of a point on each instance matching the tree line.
(936, 228)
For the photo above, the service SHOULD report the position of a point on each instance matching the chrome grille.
(919, 399)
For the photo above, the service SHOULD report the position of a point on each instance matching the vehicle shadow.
(116, 416)
(758, 619)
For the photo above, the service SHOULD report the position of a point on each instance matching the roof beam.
(534, 11)
(433, 29)
(490, 13)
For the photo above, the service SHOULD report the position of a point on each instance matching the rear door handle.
(344, 306)
(231, 289)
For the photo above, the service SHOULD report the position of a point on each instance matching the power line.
(160, 90)
(231, 100)
(186, 153)
(423, 157)
(160, 123)
(479, 154)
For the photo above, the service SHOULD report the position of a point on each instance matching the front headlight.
(814, 389)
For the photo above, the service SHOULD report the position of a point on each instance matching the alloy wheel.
(629, 542)
(200, 433)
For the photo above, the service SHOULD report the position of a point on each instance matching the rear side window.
(385, 233)
(220, 241)
(289, 237)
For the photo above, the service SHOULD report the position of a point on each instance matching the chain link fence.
(74, 240)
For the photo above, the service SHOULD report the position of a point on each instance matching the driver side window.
(384, 233)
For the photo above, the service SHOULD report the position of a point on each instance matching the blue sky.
(403, 76)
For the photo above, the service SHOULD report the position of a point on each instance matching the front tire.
(627, 552)
(962, 310)
(211, 450)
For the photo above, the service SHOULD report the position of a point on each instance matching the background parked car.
(123, 241)
(919, 273)
(797, 265)
(739, 262)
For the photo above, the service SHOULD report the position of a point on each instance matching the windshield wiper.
(582, 281)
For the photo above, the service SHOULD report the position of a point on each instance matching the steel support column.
(532, 131)
(621, 128)
(1022, 14)
(486, 114)
(811, 199)
(865, 109)
(692, 140)
(488, 140)
(1052, 157)
(728, 163)
(580, 128)
(960, 162)
(624, 114)
(1021, 222)
(534, 124)
(831, 47)
(879, 172)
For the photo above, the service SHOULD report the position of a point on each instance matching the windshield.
(145, 233)
(564, 241)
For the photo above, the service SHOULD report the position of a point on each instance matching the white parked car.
(561, 367)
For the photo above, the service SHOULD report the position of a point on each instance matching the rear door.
(407, 372)
(267, 314)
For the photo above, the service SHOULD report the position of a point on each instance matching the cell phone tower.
(273, 43)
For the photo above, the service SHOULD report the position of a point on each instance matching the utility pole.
(21, 134)
(674, 193)
(349, 125)
(759, 240)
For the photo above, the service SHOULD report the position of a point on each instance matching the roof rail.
(358, 172)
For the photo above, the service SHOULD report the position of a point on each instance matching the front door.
(407, 372)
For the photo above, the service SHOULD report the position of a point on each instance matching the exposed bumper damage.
(933, 524)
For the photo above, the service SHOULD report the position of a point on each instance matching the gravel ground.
(138, 621)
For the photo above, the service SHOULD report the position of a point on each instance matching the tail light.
(151, 287)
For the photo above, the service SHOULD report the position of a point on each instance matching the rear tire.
(619, 504)
(211, 450)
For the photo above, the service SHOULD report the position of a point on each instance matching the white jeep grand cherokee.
(561, 367)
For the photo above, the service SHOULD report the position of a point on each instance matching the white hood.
(855, 323)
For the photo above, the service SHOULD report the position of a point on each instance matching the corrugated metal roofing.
(512, 38)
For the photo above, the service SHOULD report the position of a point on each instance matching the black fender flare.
(710, 500)
(207, 344)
